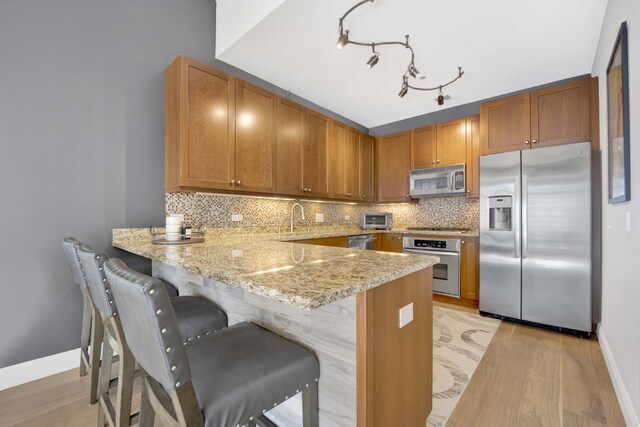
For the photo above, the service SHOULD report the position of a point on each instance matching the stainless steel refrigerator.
(535, 236)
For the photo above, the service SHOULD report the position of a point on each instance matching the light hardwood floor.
(528, 377)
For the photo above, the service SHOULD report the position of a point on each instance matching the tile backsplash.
(215, 210)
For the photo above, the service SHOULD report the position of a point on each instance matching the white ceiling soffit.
(234, 18)
(502, 45)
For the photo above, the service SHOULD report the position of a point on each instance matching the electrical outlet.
(237, 252)
(405, 315)
(236, 217)
(347, 217)
(319, 217)
(627, 221)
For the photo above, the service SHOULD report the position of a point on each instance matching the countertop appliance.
(376, 221)
(363, 241)
(437, 182)
(535, 236)
(446, 274)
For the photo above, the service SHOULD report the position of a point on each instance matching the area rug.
(460, 340)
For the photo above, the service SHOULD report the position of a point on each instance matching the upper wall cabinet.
(393, 162)
(290, 148)
(199, 127)
(452, 142)
(337, 147)
(550, 116)
(473, 157)
(255, 139)
(367, 155)
(424, 147)
(316, 155)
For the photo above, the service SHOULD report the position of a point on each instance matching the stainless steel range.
(446, 274)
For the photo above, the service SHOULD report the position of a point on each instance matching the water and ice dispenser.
(500, 212)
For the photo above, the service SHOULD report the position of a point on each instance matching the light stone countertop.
(271, 265)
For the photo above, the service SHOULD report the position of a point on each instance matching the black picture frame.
(618, 141)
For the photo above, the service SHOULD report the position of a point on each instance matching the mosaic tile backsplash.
(215, 210)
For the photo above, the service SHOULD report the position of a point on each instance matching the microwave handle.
(453, 181)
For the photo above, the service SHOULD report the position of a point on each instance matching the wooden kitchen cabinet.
(316, 155)
(337, 146)
(199, 127)
(424, 147)
(337, 242)
(553, 115)
(469, 277)
(452, 142)
(472, 172)
(290, 148)
(393, 161)
(255, 139)
(560, 114)
(391, 242)
(505, 124)
(352, 165)
(367, 155)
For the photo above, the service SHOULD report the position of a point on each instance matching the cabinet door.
(255, 139)
(337, 242)
(423, 147)
(505, 124)
(469, 278)
(367, 144)
(392, 242)
(199, 126)
(393, 154)
(473, 157)
(290, 148)
(316, 154)
(337, 146)
(352, 164)
(452, 143)
(560, 114)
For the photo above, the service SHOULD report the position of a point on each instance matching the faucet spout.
(292, 213)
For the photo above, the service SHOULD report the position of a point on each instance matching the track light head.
(373, 60)
(440, 99)
(343, 40)
(405, 87)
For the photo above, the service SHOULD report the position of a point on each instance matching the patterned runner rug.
(459, 341)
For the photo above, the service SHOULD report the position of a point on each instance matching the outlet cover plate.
(236, 217)
(319, 217)
(405, 315)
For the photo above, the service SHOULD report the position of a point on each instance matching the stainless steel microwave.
(438, 181)
(376, 220)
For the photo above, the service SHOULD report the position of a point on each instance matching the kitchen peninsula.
(343, 304)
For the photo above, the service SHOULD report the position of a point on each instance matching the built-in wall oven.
(446, 274)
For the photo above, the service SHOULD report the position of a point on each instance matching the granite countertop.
(271, 265)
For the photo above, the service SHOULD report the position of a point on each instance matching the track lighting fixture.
(405, 87)
(411, 70)
(343, 40)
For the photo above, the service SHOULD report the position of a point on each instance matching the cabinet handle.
(309, 190)
(305, 190)
(438, 161)
(408, 196)
(468, 191)
(462, 242)
(433, 162)
(526, 141)
(533, 141)
(364, 196)
(232, 182)
(239, 182)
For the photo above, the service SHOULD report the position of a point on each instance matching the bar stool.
(197, 317)
(91, 336)
(92, 327)
(230, 378)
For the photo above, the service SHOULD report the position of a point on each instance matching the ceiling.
(502, 45)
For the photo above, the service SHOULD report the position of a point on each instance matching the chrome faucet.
(292, 210)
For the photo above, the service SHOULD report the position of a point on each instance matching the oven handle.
(434, 253)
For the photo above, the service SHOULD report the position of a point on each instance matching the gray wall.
(82, 139)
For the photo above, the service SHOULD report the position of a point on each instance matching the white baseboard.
(628, 411)
(25, 372)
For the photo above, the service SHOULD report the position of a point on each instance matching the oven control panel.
(434, 244)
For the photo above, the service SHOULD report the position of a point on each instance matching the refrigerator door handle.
(525, 214)
(516, 218)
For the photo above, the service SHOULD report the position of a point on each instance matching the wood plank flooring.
(528, 377)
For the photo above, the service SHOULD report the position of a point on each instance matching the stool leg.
(310, 406)
(126, 370)
(97, 335)
(86, 335)
(147, 414)
(105, 377)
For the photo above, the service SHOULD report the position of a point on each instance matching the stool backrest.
(92, 263)
(149, 324)
(69, 245)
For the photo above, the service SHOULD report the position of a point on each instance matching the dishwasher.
(363, 241)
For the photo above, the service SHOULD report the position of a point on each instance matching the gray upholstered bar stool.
(230, 378)
(92, 327)
(196, 317)
(91, 336)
